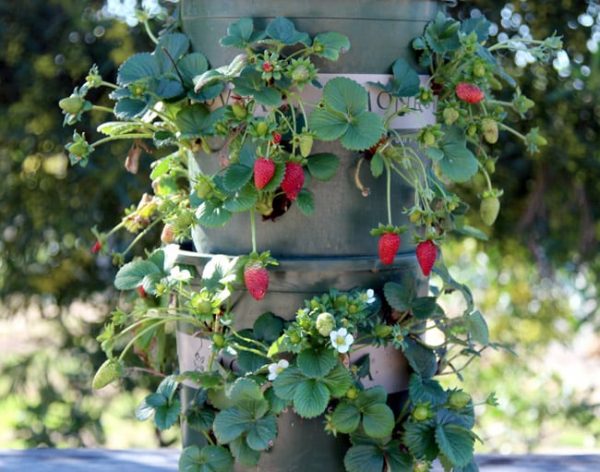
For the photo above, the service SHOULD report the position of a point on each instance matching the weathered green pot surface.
(380, 31)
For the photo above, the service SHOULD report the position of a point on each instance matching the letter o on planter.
(332, 248)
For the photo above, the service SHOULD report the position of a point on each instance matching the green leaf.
(236, 176)
(231, 423)
(345, 96)
(424, 307)
(311, 398)
(250, 362)
(244, 389)
(397, 461)
(478, 328)
(132, 274)
(334, 44)
(345, 418)
(242, 200)
(406, 79)
(268, 327)
(364, 131)
(212, 215)
(480, 25)
(371, 396)
(420, 440)
(287, 382)
(338, 381)
(442, 34)
(364, 458)
(170, 48)
(239, 34)
(455, 443)
(194, 121)
(262, 433)
(200, 419)
(242, 452)
(378, 420)
(316, 364)
(167, 415)
(459, 164)
(251, 84)
(421, 359)
(377, 165)
(426, 390)
(192, 65)
(327, 125)
(138, 67)
(306, 202)
(207, 459)
(323, 166)
(283, 30)
(470, 467)
(130, 108)
(117, 128)
(435, 154)
(399, 296)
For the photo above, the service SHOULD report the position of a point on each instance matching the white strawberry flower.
(341, 340)
(170, 252)
(371, 296)
(277, 368)
(178, 275)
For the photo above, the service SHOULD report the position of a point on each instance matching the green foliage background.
(536, 279)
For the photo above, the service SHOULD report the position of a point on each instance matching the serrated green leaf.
(420, 440)
(459, 164)
(478, 328)
(268, 327)
(480, 26)
(378, 420)
(364, 131)
(117, 128)
(132, 274)
(138, 67)
(242, 452)
(316, 364)
(426, 391)
(333, 43)
(323, 166)
(327, 125)
(167, 415)
(236, 176)
(338, 381)
(212, 215)
(244, 389)
(311, 398)
(194, 121)
(243, 200)
(435, 154)
(231, 423)
(207, 459)
(345, 96)
(306, 202)
(287, 382)
(377, 165)
(406, 79)
(345, 418)
(192, 65)
(424, 307)
(455, 443)
(130, 108)
(262, 433)
(170, 48)
(251, 84)
(399, 296)
(283, 30)
(371, 396)
(421, 359)
(239, 34)
(397, 461)
(364, 458)
(200, 419)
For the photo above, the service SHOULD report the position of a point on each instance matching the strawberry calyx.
(387, 229)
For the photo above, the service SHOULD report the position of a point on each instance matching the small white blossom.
(341, 340)
(277, 368)
(152, 8)
(123, 10)
(178, 275)
(371, 296)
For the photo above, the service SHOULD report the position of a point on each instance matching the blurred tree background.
(536, 279)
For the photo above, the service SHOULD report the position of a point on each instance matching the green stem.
(513, 131)
(140, 236)
(239, 347)
(109, 85)
(248, 340)
(388, 189)
(123, 136)
(139, 335)
(149, 32)
(101, 108)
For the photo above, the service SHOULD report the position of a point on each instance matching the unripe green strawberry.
(325, 323)
(73, 104)
(261, 128)
(451, 115)
(490, 130)
(489, 209)
(108, 372)
(421, 412)
(490, 166)
(383, 331)
(428, 138)
(306, 144)
(203, 188)
(201, 305)
(352, 393)
(459, 399)
(300, 73)
(295, 338)
(239, 111)
(479, 70)
(218, 340)
(352, 309)
(421, 466)
(472, 130)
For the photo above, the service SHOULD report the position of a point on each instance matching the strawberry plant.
(243, 138)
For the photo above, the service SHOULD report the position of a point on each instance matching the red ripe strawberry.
(96, 247)
(264, 169)
(267, 67)
(389, 243)
(141, 291)
(276, 138)
(426, 255)
(469, 93)
(256, 279)
(293, 181)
